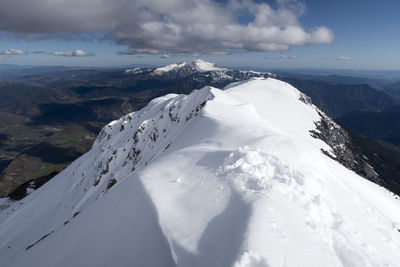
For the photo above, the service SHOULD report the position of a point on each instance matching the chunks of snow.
(254, 171)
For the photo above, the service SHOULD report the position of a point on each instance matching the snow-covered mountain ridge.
(194, 66)
(197, 70)
(216, 178)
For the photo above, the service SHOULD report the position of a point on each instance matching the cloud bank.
(13, 52)
(341, 58)
(76, 53)
(174, 26)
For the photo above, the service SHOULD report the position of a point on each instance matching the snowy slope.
(217, 178)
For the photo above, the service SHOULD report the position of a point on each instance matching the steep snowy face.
(188, 67)
(226, 177)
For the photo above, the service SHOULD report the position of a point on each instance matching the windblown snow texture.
(216, 178)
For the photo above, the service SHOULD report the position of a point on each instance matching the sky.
(358, 34)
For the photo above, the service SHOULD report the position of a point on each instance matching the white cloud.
(343, 58)
(281, 57)
(139, 51)
(173, 26)
(13, 52)
(76, 53)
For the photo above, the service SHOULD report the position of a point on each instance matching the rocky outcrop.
(343, 150)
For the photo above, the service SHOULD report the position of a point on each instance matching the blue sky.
(366, 36)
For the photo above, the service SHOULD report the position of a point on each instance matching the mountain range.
(250, 175)
(382, 125)
(338, 99)
(51, 116)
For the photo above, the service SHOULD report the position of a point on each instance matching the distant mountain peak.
(189, 67)
(199, 70)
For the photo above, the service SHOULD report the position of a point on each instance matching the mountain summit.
(230, 177)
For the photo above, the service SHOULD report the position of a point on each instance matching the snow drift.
(227, 177)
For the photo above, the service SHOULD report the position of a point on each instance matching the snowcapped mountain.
(189, 67)
(134, 71)
(197, 71)
(232, 177)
